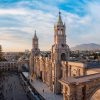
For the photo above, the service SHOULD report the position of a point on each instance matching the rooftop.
(81, 79)
(87, 65)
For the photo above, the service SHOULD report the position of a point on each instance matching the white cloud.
(78, 29)
(16, 11)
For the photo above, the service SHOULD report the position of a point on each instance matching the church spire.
(35, 36)
(59, 19)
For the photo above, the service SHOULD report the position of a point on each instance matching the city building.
(8, 66)
(5, 65)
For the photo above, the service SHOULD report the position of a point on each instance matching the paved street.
(47, 94)
(11, 88)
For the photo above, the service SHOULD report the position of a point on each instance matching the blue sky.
(20, 18)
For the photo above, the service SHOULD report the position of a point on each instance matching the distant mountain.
(90, 46)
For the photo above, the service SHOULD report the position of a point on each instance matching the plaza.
(10, 87)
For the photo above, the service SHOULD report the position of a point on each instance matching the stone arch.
(63, 57)
(93, 92)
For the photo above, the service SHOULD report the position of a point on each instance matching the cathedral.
(55, 67)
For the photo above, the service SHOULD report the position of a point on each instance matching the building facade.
(8, 66)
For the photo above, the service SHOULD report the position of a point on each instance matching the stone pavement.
(12, 88)
(47, 94)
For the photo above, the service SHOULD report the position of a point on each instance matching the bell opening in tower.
(63, 57)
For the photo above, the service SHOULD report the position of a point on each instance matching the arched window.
(63, 56)
(62, 45)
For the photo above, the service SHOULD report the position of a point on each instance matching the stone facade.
(60, 52)
(34, 53)
(80, 88)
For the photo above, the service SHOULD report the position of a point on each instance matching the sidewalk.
(47, 94)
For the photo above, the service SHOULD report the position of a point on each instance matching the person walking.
(43, 90)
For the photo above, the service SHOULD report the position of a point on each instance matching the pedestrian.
(43, 90)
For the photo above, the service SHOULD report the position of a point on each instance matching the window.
(62, 45)
(63, 56)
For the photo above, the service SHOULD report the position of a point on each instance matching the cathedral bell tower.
(35, 41)
(35, 48)
(59, 33)
(35, 51)
(60, 52)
